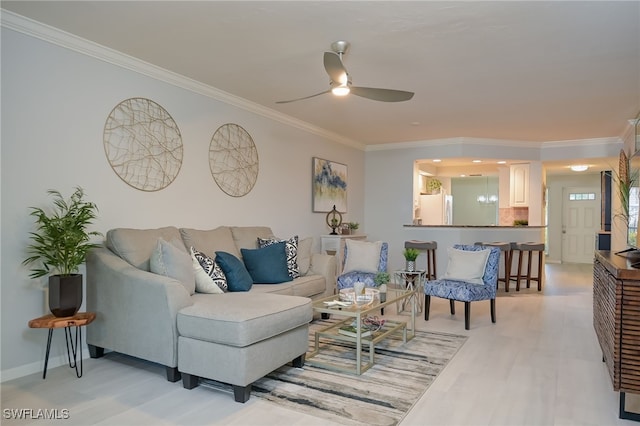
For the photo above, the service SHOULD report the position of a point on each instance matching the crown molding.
(72, 42)
(454, 141)
(582, 142)
(495, 142)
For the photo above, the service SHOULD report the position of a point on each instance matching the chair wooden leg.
(427, 305)
(493, 310)
(519, 273)
(452, 306)
(539, 271)
(507, 270)
(467, 315)
(529, 269)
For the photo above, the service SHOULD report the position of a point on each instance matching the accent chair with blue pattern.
(347, 280)
(467, 292)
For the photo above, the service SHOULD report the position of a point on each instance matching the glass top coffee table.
(354, 313)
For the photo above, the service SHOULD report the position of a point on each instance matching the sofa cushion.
(267, 265)
(210, 241)
(247, 236)
(241, 319)
(304, 255)
(238, 278)
(171, 261)
(135, 245)
(311, 285)
(282, 288)
(209, 275)
(291, 250)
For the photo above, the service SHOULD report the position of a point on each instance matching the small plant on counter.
(353, 226)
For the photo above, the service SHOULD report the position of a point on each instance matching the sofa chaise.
(231, 337)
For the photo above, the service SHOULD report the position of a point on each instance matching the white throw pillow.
(466, 265)
(362, 256)
(304, 254)
(204, 282)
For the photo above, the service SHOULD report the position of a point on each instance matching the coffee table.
(355, 313)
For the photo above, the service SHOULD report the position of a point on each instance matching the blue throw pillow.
(267, 265)
(238, 278)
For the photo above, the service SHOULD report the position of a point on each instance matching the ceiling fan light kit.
(340, 82)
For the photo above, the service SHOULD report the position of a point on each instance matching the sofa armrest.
(325, 265)
(136, 311)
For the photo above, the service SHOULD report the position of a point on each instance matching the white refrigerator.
(436, 209)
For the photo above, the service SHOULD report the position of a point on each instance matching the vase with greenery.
(381, 280)
(410, 255)
(625, 178)
(434, 185)
(59, 246)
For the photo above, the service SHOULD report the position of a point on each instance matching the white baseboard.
(37, 367)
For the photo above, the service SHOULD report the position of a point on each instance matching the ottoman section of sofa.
(237, 338)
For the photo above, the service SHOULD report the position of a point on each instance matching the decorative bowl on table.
(370, 294)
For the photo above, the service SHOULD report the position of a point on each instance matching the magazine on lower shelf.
(349, 330)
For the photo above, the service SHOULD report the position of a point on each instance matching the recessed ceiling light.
(502, 162)
(579, 167)
(436, 160)
(477, 161)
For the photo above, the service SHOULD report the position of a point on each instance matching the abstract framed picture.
(329, 186)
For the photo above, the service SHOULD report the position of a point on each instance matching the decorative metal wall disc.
(143, 144)
(233, 160)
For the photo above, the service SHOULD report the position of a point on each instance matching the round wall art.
(233, 160)
(143, 144)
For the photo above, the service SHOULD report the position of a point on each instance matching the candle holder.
(334, 220)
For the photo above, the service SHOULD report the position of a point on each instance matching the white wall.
(55, 102)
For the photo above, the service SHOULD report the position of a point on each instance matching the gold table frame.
(358, 311)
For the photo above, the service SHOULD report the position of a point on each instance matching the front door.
(581, 221)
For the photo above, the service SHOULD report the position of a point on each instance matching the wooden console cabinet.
(616, 319)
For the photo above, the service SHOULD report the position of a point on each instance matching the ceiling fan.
(340, 80)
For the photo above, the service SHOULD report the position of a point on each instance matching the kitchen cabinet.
(519, 185)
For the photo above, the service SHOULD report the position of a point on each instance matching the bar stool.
(429, 247)
(528, 249)
(505, 249)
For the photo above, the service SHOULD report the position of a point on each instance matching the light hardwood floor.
(540, 364)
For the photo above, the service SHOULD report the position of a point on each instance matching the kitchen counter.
(477, 226)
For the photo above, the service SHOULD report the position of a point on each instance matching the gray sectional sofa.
(234, 337)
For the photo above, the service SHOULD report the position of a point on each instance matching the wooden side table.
(78, 320)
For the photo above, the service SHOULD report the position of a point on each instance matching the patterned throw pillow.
(211, 268)
(290, 248)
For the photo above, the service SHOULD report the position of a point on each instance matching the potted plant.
(381, 280)
(353, 227)
(59, 246)
(410, 255)
(434, 185)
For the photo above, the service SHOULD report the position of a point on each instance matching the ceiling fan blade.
(306, 97)
(384, 95)
(334, 67)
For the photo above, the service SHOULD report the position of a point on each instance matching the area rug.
(381, 396)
